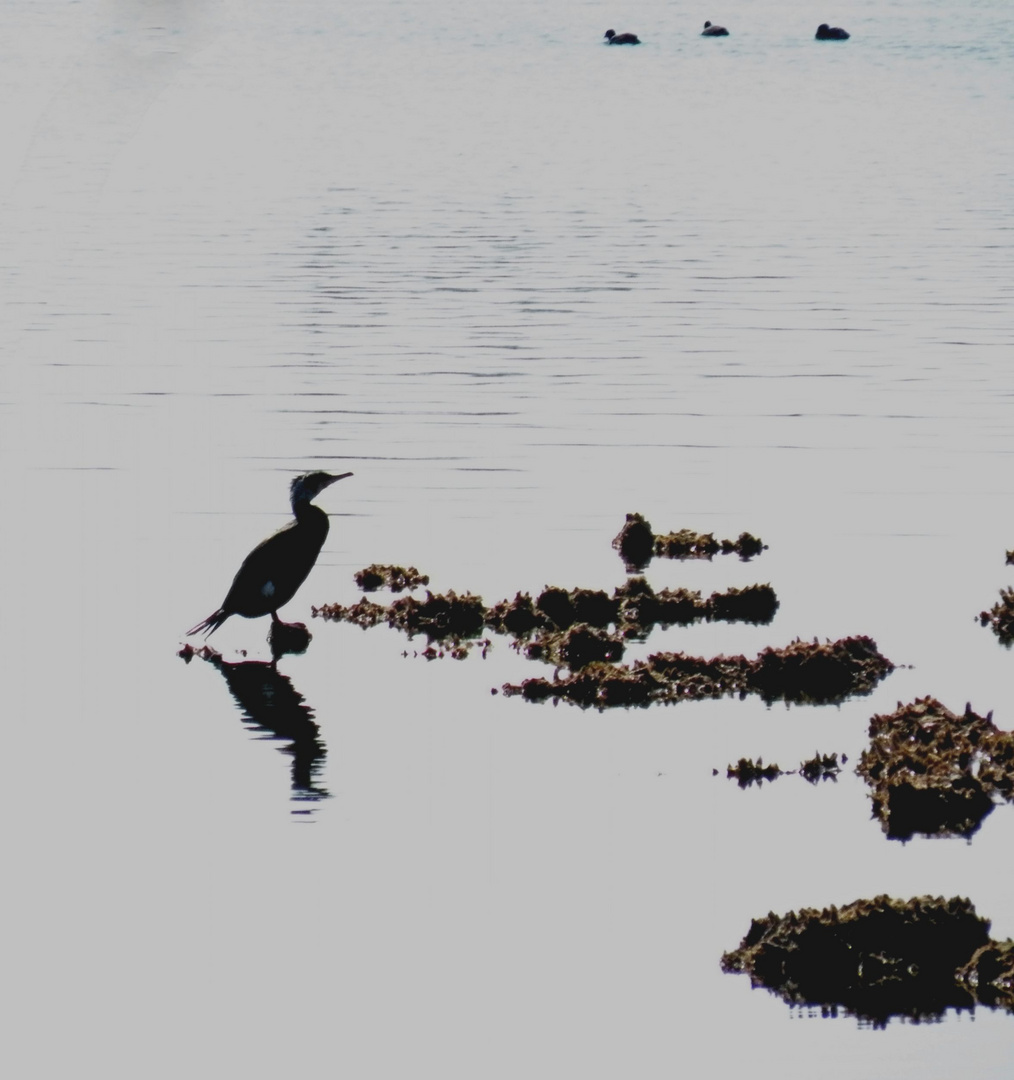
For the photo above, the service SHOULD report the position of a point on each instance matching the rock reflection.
(273, 706)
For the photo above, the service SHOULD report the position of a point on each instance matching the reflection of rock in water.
(936, 773)
(271, 704)
(878, 959)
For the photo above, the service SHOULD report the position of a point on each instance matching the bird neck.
(304, 510)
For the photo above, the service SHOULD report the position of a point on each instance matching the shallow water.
(521, 284)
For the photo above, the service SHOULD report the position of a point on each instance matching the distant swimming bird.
(831, 33)
(714, 31)
(612, 38)
(274, 570)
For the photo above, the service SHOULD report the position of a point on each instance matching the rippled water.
(521, 284)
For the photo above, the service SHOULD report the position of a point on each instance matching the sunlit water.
(520, 284)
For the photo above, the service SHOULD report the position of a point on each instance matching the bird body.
(612, 38)
(831, 33)
(272, 573)
(714, 31)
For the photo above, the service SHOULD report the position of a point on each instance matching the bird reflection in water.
(272, 705)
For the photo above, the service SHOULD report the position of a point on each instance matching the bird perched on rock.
(274, 570)
(612, 38)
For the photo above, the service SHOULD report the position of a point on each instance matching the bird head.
(307, 487)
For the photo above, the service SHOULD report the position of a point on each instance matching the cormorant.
(612, 38)
(274, 570)
(831, 33)
(714, 31)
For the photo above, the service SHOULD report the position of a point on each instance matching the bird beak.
(340, 476)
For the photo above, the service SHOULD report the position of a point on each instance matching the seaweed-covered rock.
(936, 773)
(576, 647)
(637, 544)
(634, 609)
(816, 674)
(853, 667)
(1000, 617)
(516, 617)
(444, 617)
(746, 772)
(874, 959)
(641, 608)
(990, 974)
(395, 578)
(364, 614)
(820, 767)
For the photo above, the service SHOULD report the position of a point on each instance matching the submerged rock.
(935, 773)
(880, 958)
(638, 545)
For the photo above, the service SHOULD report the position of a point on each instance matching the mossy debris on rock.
(880, 958)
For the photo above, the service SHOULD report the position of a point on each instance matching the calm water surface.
(520, 284)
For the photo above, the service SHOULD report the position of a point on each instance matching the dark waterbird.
(710, 30)
(612, 38)
(831, 33)
(274, 570)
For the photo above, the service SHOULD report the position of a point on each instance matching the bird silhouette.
(274, 570)
(612, 38)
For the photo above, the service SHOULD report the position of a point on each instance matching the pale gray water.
(521, 284)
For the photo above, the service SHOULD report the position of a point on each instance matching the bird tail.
(209, 625)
